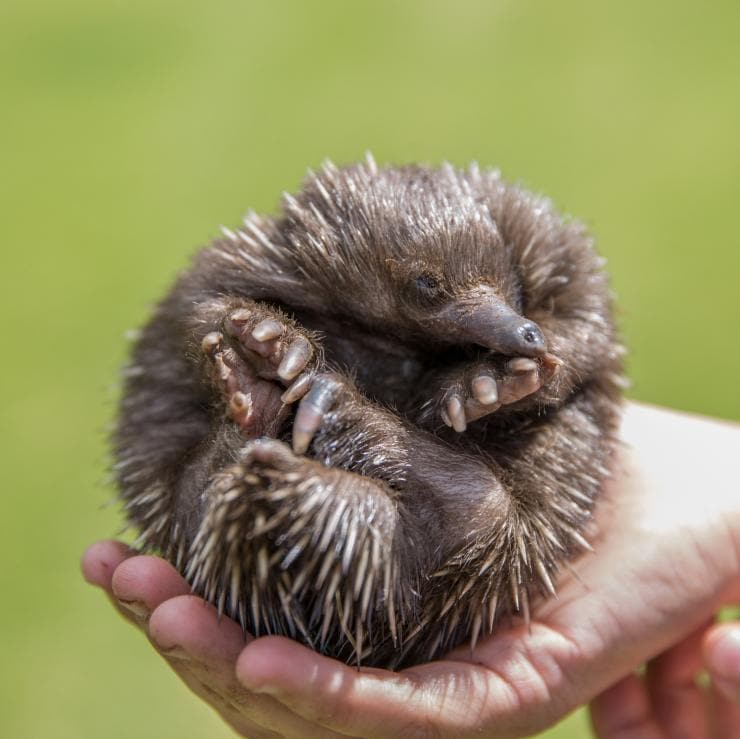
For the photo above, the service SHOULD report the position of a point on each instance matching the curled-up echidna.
(378, 421)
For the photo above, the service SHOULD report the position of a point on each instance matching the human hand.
(669, 701)
(667, 558)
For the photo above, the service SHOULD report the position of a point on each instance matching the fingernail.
(137, 607)
(724, 656)
(172, 651)
(175, 652)
(259, 686)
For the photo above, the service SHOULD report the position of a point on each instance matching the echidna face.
(473, 311)
(417, 257)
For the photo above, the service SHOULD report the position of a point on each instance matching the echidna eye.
(427, 282)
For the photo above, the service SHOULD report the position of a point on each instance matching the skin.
(667, 559)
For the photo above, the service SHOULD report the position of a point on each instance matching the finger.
(98, 565)
(679, 704)
(721, 652)
(623, 711)
(142, 583)
(140, 580)
(203, 648)
(137, 585)
(188, 622)
(723, 714)
(100, 560)
(445, 698)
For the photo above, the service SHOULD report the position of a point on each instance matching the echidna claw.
(240, 407)
(484, 389)
(211, 343)
(522, 378)
(301, 385)
(312, 409)
(549, 366)
(456, 413)
(295, 359)
(267, 329)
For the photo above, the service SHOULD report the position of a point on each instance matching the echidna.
(379, 421)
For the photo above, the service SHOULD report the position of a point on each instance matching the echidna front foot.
(472, 391)
(275, 346)
(258, 359)
(254, 404)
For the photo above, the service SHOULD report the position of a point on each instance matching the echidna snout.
(481, 317)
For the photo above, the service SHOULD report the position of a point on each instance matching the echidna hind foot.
(266, 553)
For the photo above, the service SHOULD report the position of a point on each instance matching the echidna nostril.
(531, 333)
(531, 340)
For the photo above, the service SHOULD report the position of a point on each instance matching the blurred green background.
(130, 130)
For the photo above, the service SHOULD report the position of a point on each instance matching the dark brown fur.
(393, 538)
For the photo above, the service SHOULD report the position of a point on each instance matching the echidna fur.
(391, 537)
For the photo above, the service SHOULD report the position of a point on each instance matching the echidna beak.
(482, 317)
